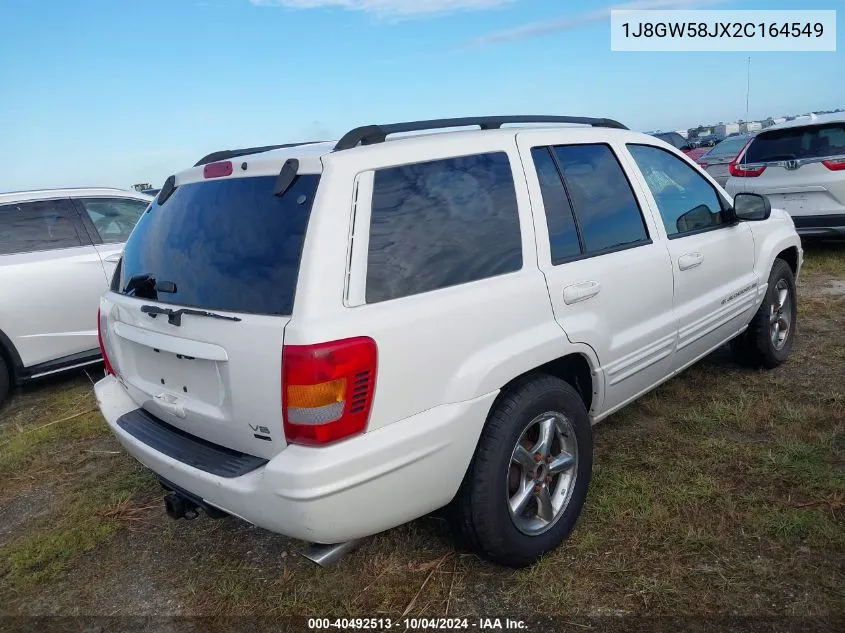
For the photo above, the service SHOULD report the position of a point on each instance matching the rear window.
(728, 148)
(815, 141)
(224, 244)
(673, 138)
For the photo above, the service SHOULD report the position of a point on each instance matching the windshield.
(812, 141)
(221, 245)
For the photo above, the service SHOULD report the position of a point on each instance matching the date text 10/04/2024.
(481, 624)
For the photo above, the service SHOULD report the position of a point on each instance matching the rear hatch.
(801, 169)
(197, 310)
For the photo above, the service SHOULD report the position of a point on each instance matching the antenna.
(748, 96)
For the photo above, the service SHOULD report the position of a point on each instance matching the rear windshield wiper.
(174, 317)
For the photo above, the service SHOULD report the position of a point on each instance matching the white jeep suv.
(58, 251)
(331, 339)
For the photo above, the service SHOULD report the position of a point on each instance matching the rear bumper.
(820, 225)
(352, 489)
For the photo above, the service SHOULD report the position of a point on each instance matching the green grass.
(720, 492)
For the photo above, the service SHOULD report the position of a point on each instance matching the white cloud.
(574, 21)
(390, 8)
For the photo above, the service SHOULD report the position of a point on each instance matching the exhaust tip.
(327, 555)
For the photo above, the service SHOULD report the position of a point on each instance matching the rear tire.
(768, 340)
(4, 380)
(528, 480)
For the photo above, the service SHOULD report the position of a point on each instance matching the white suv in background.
(800, 166)
(58, 249)
(331, 339)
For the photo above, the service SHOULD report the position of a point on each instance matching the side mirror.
(695, 219)
(752, 207)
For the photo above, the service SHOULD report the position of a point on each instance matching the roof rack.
(372, 134)
(234, 153)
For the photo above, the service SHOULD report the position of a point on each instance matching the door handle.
(113, 258)
(690, 260)
(580, 292)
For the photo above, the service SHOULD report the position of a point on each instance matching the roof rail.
(372, 134)
(234, 153)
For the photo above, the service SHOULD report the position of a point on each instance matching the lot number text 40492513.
(480, 624)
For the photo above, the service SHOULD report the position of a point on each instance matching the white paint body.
(49, 298)
(443, 356)
(810, 192)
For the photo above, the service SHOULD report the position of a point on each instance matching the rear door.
(609, 280)
(712, 256)
(801, 170)
(51, 280)
(197, 314)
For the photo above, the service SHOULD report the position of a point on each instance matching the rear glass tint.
(442, 223)
(728, 148)
(225, 244)
(812, 141)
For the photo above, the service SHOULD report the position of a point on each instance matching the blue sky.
(108, 92)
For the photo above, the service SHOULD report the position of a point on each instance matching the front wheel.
(768, 339)
(528, 480)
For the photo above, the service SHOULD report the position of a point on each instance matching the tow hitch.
(180, 504)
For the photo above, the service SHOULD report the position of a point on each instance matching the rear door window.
(44, 225)
(113, 218)
(442, 223)
(797, 143)
(606, 209)
(563, 233)
(222, 245)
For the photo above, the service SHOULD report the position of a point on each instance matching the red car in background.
(676, 140)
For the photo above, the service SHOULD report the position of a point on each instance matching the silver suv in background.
(717, 161)
(800, 166)
(58, 250)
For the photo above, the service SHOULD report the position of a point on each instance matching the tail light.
(217, 170)
(327, 390)
(837, 164)
(744, 171)
(100, 327)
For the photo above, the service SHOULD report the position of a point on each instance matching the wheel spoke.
(524, 458)
(521, 498)
(547, 434)
(544, 506)
(782, 296)
(562, 462)
(773, 317)
(782, 324)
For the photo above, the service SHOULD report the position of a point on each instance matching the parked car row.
(58, 251)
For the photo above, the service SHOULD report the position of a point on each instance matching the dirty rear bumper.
(332, 494)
